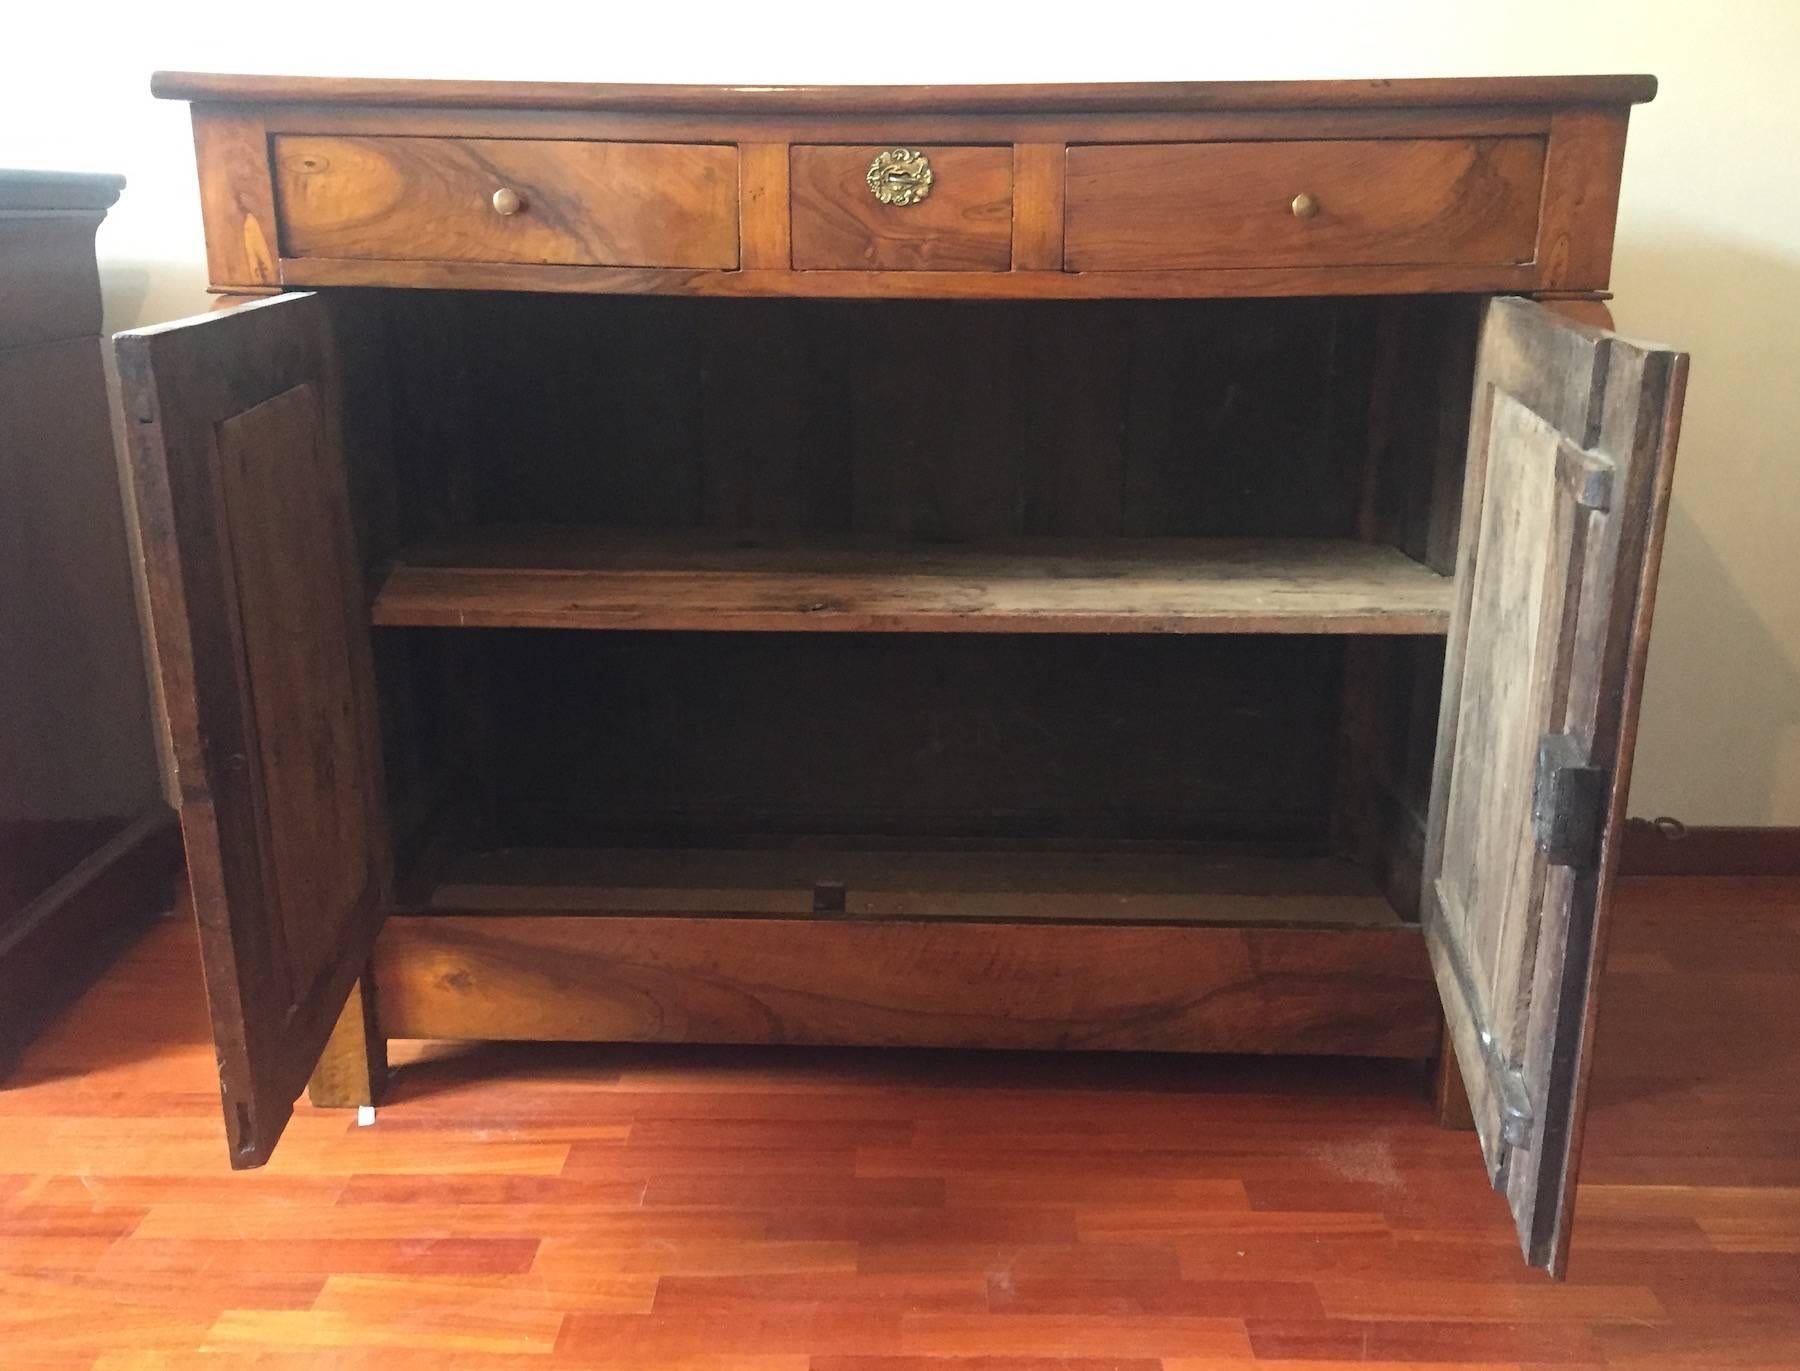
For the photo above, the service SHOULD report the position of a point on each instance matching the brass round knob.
(1305, 205)
(508, 201)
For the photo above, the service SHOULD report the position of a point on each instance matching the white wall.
(1709, 240)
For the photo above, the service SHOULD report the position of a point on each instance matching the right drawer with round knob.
(548, 202)
(1324, 203)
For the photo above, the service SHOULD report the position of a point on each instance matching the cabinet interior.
(908, 609)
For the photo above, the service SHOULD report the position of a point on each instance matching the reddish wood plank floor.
(572, 1206)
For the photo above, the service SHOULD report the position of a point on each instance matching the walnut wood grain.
(1151, 95)
(1030, 121)
(964, 224)
(1221, 284)
(570, 578)
(1038, 206)
(767, 239)
(544, 976)
(1042, 124)
(1379, 203)
(583, 204)
(237, 198)
(352, 1070)
(1581, 198)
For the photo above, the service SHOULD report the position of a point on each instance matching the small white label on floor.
(365, 1115)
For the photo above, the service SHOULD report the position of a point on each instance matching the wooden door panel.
(275, 485)
(1515, 670)
(262, 637)
(1570, 451)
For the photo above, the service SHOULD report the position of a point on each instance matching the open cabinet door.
(262, 640)
(1571, 444)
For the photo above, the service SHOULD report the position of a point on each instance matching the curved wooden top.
(1197, 96)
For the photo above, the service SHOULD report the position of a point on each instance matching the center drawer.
(891, 208)
(508, 200)
(1323, 203)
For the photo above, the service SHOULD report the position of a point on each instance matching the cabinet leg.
(1447, 1093)
(353, 1067)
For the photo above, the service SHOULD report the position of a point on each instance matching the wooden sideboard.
(88, 846)
(1102, 567)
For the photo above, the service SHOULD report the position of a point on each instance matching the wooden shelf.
(918, 882)
(557, 577)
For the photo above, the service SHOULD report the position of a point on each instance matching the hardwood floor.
(843, 1211)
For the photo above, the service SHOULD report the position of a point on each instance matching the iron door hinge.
(1515, 1107)
(1568, 805)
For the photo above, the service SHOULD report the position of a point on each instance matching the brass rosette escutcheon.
(900, 176)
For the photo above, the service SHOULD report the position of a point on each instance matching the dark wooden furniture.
(1093, 567)
(88, 847)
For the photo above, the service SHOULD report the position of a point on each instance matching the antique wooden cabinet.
(1157, 567)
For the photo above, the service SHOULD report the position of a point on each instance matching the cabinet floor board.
(1011, 885)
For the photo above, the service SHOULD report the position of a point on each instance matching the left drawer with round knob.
(543, 202)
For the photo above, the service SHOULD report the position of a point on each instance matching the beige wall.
(1709, 243)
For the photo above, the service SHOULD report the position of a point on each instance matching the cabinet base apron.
(547, 977)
